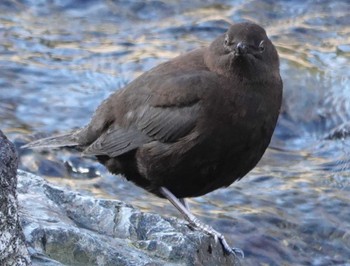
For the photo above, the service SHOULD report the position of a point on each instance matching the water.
(59, 59)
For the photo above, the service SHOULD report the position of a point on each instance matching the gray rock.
(66, 228)
(13, 250)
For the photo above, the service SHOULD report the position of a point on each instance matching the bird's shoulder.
(181, 81)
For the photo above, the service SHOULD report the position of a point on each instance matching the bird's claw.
(197, 224)
(228, 250)
(237, 251)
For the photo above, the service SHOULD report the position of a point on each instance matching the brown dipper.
(190, 125)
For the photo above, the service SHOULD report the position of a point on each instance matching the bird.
(190, 125)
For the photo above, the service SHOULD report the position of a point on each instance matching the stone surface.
(63, 227)
(13, 250)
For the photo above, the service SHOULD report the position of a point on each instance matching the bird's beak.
(240, 49)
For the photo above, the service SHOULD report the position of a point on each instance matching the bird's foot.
(195, 223)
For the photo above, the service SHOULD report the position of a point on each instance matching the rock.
(13, 250)
(64, 227)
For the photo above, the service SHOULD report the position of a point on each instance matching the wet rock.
(64, 227)
(13, 250)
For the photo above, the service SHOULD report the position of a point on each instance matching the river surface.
(59, 59)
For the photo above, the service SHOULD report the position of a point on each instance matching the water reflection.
(60, 59)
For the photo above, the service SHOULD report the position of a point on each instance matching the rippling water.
(59, 59)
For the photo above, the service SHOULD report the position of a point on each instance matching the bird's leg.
(189, 217)
(185, 203)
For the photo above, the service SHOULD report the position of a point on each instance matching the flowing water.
(59, 59)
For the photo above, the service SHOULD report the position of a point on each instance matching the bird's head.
(245, 46)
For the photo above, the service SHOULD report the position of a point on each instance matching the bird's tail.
(64, 140)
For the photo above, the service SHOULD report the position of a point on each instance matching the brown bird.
(190, 125)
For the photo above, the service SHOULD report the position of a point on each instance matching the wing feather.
(117, 141)
(155, 108)
(168, 124)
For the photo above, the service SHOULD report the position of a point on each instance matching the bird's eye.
(261, 46)
(226, 42)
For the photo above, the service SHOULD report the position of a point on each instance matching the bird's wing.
(168, 123)
(116, 141)
(166, 114)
